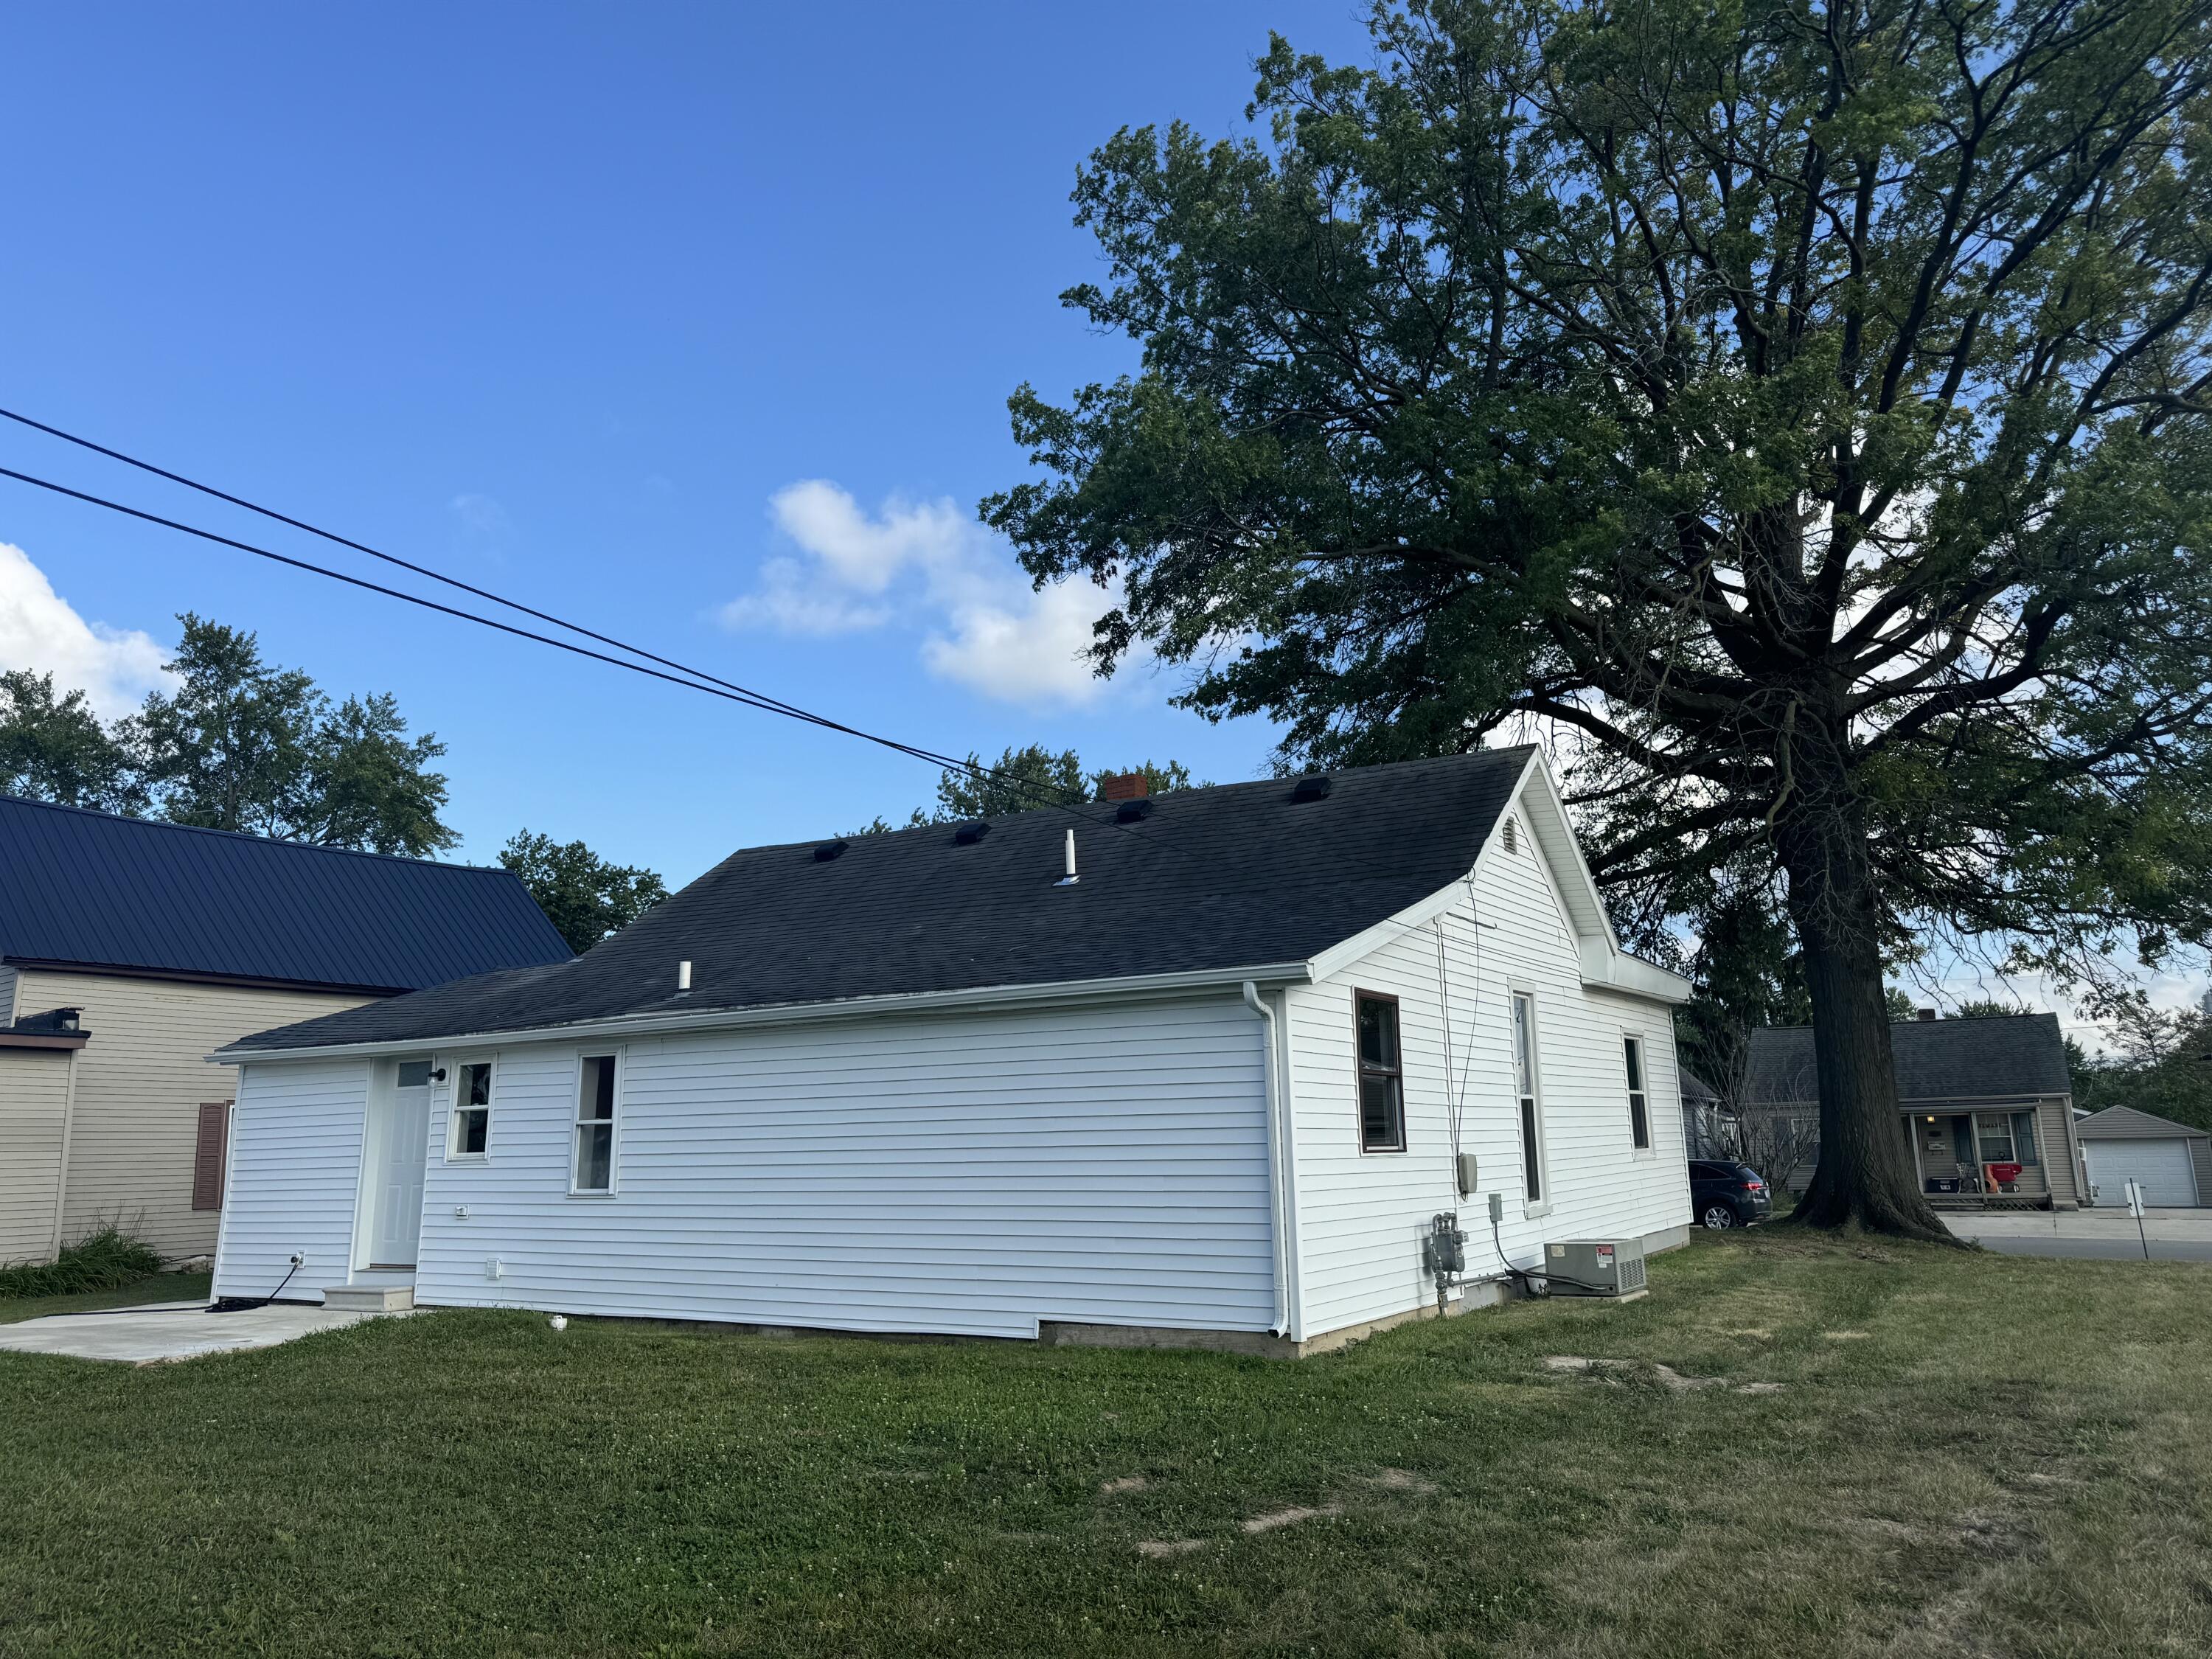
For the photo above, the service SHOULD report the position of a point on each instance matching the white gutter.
(787, 1013)
(1277, 1138)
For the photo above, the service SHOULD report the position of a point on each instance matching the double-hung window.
(1639, 1101)
(594, 1170)
(471, 1125)
(1524, 1091)
(1381, 1074)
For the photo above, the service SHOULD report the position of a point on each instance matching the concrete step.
(369, 1298)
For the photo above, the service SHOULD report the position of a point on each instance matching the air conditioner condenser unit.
(1610, 1267)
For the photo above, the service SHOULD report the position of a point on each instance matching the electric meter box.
(1595, 1266)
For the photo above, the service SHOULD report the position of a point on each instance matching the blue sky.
(695, 322)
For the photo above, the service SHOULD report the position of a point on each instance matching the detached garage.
(2172, 1161)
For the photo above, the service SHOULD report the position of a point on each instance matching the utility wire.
(757, 699)
(713, 685)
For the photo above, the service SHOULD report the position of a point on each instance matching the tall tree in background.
(242, 744)
(54, 748)
(1802, 404)
(1021, 781)
(584, 896)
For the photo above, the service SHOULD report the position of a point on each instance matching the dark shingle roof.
(92, 890)
(2004, 1055)
(1696, 1091)
(1234, 876)
(2126, 1123)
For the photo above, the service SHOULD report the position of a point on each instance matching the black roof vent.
(969, 834)
(830, 849)
(1133, 812)
(1315, 786)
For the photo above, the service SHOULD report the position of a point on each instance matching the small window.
(1382, 1075)
(1993, 1137)
(1524, 1087)
(1639, 1105)
(414, 1074)
(594, 1170)
(472, 1109)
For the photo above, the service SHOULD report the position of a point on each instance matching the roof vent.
(1315, 786)
(1133, 812)
(1926, 1013)
(830, 849)
(1509, 837)
(969, 834)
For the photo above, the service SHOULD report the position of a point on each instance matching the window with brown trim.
(1381, 1074)
(208, 1155)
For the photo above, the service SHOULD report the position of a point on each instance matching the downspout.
(1277, 1159)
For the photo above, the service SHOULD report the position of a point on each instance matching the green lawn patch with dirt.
(1806, 1446)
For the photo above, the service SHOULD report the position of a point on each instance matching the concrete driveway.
(176, 1330)
(2104, 1235)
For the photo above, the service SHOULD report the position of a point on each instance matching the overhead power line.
(668, 670)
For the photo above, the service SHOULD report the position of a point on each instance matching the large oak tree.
(1802, 404)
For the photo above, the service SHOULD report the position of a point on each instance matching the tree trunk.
(1865, 1175)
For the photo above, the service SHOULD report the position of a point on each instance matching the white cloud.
(481, 518)
(40, 631)
(927, 564)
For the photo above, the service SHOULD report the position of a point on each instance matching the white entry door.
(402, 1149)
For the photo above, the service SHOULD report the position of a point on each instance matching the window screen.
(595, 1126)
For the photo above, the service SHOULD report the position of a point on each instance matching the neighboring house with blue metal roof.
(130, 949)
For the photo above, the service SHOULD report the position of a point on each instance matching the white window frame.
(618, 1057)
(1533, 1098)
(1628, 1035)
(454, 1069)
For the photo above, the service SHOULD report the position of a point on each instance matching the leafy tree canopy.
(56, 749)
(585, 897)
(1799, 406)
(239, 744)
(1023, 779)
(243, 745)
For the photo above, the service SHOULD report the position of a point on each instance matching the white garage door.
(2162, 1166)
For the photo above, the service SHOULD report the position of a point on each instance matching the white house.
(1211, 1090)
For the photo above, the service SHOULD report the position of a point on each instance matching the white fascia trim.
(794, 1014)
(1604, 968)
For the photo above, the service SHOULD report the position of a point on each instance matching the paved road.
(2099, 1235)
(2095, 1249)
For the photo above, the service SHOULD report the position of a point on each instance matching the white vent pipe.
(682, 976)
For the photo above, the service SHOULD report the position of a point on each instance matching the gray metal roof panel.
(92, 890)
(1214, 878)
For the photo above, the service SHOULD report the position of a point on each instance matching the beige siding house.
(1986, 1105)
(129, 952)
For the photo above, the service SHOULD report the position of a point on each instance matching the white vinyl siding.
(295, 1144)
(971, 1174)
(8, 978)
(141, 1081)
(1362, 1220)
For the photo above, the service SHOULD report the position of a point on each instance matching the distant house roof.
(2002, 1055)
(89, 890)
(1234, 876)
(1696, 1091)
(2125, 1123)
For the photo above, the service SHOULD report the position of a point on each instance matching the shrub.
(101, 1261)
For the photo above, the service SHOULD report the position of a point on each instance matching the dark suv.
(1724, 1195)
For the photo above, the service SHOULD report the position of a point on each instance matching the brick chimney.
(1927, 1013)
(1124, 786)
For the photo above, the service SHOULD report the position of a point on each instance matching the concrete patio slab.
(149, 1336)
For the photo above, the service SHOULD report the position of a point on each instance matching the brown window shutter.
(207, 1160)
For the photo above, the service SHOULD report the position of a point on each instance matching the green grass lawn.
(161, 1287)
(1967, 1454)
